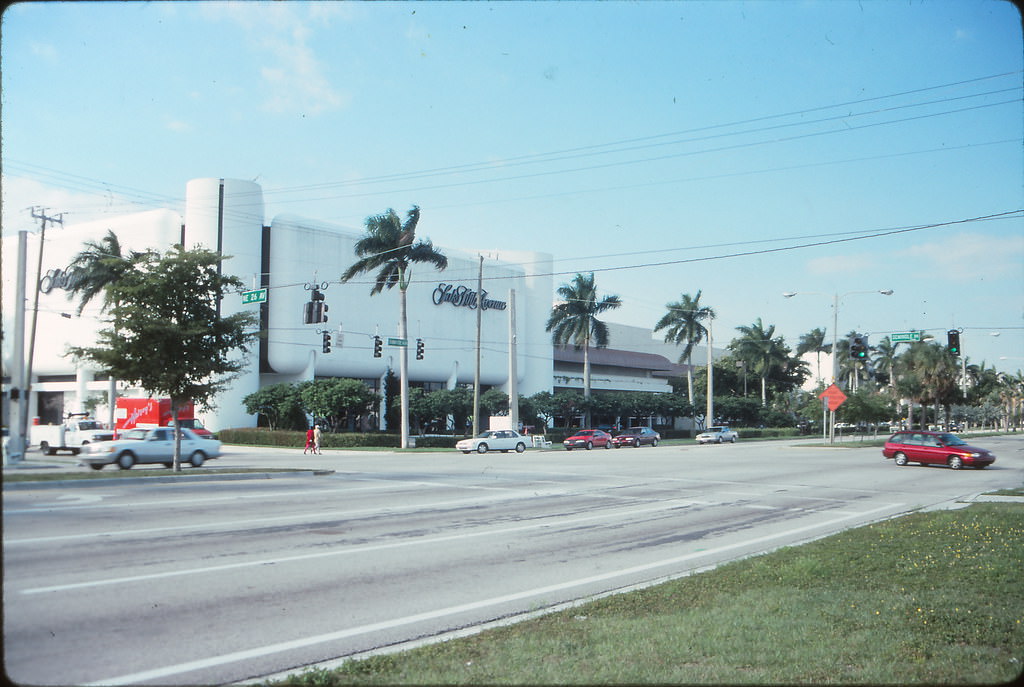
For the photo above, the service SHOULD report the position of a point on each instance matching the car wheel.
(96, 466)
(466, 452)
(733, 440)
(901, 459)
(44, 447)
(956, 462)
(197, 458)
(654, 443)
(126, 460)
(520, 447)
(607, 444)
(718, 440)
(589, 446)
(481, 448)
(636, 443)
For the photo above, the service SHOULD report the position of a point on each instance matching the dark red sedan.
(935, 448)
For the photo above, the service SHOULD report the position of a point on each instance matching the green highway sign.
(257, 296)
(398, 342)
(903, 337)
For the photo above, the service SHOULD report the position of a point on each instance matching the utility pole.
(513, 373)
(26, 390)
(476, 375)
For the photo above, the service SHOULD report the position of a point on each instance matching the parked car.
(635, 436)
(716, 435)
(503, 440)
(196, 426)
(939, 448)
(154, 445)
(588, 439)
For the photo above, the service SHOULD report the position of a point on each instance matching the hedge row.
(261, 436)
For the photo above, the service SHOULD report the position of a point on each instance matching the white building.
(285, 256)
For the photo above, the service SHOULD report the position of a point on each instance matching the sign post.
(834, 397)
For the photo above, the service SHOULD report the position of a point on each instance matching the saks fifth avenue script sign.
(58, 278)
(464, 297)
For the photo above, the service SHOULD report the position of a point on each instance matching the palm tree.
(683, 322)
(99, 265)
(885, 358)
(763, 352)
(389, 246)
(814, 340)
(575, 320)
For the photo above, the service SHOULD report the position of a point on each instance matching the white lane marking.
(558, 522)
(234, 657)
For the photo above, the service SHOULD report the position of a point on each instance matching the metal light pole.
(835, 337)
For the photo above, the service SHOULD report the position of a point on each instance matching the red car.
(940, 448)
(635, 436)
(588, 439)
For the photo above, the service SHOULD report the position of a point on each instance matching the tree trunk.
(176, 464)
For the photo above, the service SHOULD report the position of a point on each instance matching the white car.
(716, 435)
(155, 445)
(503, 440)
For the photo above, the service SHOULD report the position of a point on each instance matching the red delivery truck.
(153, 412)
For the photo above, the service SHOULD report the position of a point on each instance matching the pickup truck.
(716, 435)
(71, 436)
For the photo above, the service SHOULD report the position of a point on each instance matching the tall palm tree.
(389, 246)
(814, 340)
(575, 320)
(100, 264)
(885, 358)
(763, 352)
(684, 328)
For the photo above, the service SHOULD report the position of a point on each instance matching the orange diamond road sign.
(834, 395)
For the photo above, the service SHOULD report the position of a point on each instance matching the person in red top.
(309, 441)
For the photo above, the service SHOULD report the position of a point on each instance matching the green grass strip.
(929, 598)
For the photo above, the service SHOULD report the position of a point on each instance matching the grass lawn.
(929, 598)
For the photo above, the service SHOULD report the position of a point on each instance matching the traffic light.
(315, 310)
(419, 349)
(953, 341)
(859, 347)
(327, 342)
(378, 347)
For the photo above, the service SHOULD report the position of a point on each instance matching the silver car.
(503, 440)
(156, 445)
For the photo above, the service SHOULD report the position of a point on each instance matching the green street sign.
(905, 337)
(257, 296)
(398, 342)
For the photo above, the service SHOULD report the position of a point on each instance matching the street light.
(835, 334)
(835, 317)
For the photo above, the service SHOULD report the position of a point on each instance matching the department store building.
(289, 255)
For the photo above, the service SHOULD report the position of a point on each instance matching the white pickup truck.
(716, 435)
(71, 436)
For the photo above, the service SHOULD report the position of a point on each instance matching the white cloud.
(45, 50)
(293, 75)
(970, 256)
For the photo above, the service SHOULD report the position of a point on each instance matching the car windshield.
(952, 440)
(631, 431)
(89, 424)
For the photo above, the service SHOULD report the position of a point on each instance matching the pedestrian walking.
(316, 439)
(310, 435)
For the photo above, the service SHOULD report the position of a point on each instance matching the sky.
(740, 149)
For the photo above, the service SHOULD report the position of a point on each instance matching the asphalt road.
(222, 581)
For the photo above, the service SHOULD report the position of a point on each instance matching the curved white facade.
(284, 257)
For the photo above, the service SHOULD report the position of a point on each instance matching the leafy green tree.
(574, 320)
(166, 332)
(494, 402)
(337, 400)
(390, 247)
(280, 404)
(683, 327)
(866, 407)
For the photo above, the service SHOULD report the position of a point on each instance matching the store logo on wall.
(59, 279)
(464, 297)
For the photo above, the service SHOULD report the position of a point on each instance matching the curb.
(163, 479)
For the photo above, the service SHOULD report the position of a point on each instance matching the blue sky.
(743, 149)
